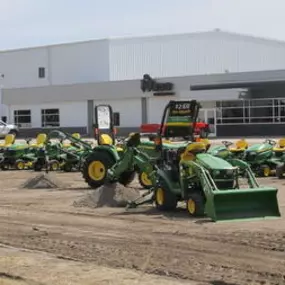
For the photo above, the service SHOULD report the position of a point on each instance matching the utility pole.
(1, 93)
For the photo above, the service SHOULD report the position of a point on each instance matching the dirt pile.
(109, 195)
(43, 181)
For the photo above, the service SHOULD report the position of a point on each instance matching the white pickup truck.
(8, 129)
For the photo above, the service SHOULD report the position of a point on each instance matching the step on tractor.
(107, 152)
(261, 158)
(21, 156)
(208, 184)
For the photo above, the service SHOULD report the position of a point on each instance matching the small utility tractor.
(209, 185)
(106, 153)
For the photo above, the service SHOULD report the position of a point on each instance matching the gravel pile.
(109, 195)
(43, 181)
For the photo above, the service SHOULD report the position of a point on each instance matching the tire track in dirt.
(186, 257)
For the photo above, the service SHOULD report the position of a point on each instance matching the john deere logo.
(158, 88)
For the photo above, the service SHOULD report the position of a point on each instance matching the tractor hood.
(259, 147)
(214, 163)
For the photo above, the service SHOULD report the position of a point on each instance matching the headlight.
(229, 172)
(216, 172)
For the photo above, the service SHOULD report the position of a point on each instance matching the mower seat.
(241, 145)
(191, 150)
(40, 141)
(105, 139)
(9, 140)
(74, 135)
(280, 146)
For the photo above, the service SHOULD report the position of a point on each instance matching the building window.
(42, 72)
(50, 118)
(22, 118)
(116, 118)
(254, 111)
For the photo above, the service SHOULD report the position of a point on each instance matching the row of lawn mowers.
(54, 151)
(175, 166)
(265, 159)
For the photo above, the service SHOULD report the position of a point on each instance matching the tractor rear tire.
(127, 177)
(195, 205)
(164, 200)
(280, 171)
(104, 160)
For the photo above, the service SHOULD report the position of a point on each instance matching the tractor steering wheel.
(227, 143)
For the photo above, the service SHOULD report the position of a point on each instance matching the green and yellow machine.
(106, 153)
(209, 185)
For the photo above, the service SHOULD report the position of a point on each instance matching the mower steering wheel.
(28, 140)
(227, 143)
(272, 142)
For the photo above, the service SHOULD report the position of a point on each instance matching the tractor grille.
(250, 156)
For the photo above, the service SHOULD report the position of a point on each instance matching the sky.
(27, 23)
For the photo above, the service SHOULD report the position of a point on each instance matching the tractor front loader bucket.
(243, 204)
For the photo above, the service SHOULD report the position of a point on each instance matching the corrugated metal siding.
(204, 53)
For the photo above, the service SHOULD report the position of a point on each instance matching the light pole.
(1, 94)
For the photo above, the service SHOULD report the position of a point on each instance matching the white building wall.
(21, 67)
(80, 62)
(72, 114)
(191, 54)
(130, 111)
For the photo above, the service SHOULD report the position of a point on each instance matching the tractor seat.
(9, 140)
(241, 145)
(40, 141)
(280, 146)
(105, 139)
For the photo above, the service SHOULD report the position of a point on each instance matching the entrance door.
(209, 116)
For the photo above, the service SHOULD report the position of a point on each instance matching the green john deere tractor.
(208, 184)
(106, 153)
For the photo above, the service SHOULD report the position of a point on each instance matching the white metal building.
(58, 86)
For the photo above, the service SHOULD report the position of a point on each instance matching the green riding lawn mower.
(208, 184)
(55, 155)
(21, 156)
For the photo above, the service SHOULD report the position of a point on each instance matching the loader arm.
(131, 159)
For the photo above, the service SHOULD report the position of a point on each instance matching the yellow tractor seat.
(9, 140)
(191, 150)
(76, 136)
(241, 145)
(105, 139)
(280, 146)
(40, 140)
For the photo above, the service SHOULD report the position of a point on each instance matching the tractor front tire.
(20, 164)
(195, 205)
(144, 181)
(164, 200)
(95, 168)
(280, 171)
(265, 171)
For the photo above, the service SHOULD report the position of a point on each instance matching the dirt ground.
(44, 239)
